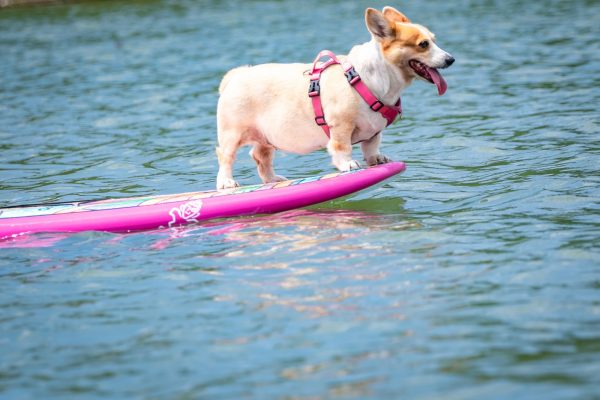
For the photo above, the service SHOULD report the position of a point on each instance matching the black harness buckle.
(320, 120)
(315, 88)
(376, 106)
(352, 76)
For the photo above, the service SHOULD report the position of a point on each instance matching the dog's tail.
(230, 75)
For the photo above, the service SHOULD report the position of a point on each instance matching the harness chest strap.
(388, 112)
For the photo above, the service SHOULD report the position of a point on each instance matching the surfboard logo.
(189, 212)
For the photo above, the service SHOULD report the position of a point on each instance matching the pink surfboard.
(164, 211)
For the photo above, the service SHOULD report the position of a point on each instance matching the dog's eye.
(424, 44)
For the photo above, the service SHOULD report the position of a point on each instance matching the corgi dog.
(267, 107)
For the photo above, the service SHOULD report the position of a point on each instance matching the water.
(473, 275)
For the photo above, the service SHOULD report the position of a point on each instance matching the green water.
(472, 275)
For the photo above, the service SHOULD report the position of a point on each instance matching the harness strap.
(314, 91)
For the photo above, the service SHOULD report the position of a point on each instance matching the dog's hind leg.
(263, 155)
(226, 155)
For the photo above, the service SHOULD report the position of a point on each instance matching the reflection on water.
(472, 275)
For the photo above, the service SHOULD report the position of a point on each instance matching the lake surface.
(474, 275)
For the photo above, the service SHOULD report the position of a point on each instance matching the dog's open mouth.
(429, 74)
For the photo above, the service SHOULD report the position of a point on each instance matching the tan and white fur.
(267, 106)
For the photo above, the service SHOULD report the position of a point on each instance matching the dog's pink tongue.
(438, 80)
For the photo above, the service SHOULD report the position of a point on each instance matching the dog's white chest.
(368, 124)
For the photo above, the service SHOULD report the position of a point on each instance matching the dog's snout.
(449, 61)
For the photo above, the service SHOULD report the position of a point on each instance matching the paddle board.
(164, 211)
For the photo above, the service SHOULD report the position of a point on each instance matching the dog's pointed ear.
(394, 15)
(379, 26)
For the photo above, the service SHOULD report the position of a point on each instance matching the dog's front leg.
(370, 149)
(340, 148)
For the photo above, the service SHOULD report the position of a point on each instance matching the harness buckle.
(376, 106)
(352, 76)
(315, 88)
(320, 120)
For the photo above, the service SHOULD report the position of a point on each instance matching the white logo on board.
(187, 211)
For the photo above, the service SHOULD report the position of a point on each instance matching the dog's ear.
(394, 15)
(379, 26)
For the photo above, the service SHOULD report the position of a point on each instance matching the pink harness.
(388, 112)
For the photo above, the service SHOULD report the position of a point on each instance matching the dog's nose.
(449, 61)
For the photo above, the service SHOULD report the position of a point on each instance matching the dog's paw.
(377, 159)
(345, 166)
(277, 178)
(226, 183)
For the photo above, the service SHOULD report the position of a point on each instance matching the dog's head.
(409, 47)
